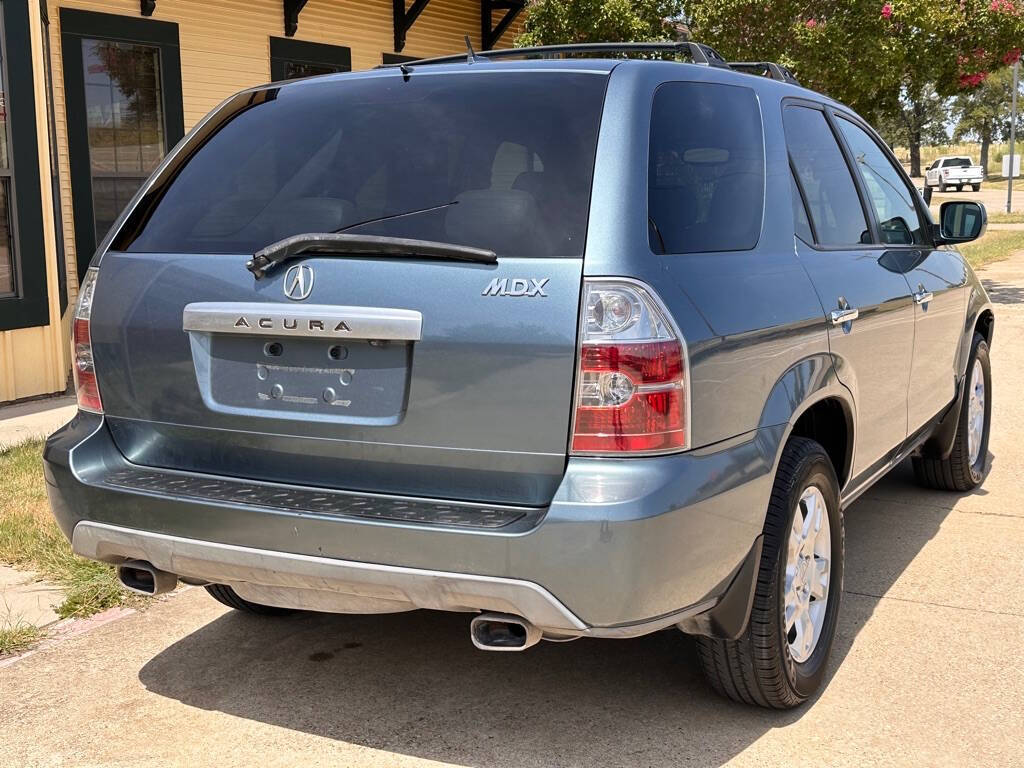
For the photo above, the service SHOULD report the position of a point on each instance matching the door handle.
(840, 316)
(923, 297)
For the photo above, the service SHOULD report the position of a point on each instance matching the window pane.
(803, 226)
(124, 115)
(51, 134)
(706, 175)
(5, 150)
(468, 153)
(831, 195)
(294, 69)
(7, 284)
(890, 196)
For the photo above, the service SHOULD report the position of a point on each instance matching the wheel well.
(826, 422)
(985, 325)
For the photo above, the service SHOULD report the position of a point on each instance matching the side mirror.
(926, 194)
(961, 222)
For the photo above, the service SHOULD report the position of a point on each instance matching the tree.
(915, 120)
(550, 22)
(877, 56)
(983, 112)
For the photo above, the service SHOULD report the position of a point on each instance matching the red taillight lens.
(632, 388)
(82, 365)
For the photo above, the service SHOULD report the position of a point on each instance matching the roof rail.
(765, 69)
(699, 53)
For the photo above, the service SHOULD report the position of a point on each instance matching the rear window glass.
(706, 174)
(495, 160)
(958, 162)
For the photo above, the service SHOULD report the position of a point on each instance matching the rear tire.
(959, 187)
(942, 187)
(962, 471)
(761, 666)
(222, 593)
(976, 187)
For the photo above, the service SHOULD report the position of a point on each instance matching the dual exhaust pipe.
(503, 632)
(489, 631)
(142, 578)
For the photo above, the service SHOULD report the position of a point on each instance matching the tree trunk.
(986, 141)
(915, 153)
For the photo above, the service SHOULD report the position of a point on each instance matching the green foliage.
(866, 53)
(549, 22)
(983, 113)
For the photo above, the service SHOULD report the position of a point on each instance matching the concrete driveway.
(927, 666)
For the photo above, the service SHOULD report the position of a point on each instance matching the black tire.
(976, 187)
(757, 668)
(942, 187)
(959, 187)
(222, 593)
(957, 473)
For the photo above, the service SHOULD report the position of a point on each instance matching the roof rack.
(765, 69)
(699, 53)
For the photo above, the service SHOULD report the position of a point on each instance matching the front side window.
(891, 198)
(8, 282)
(502, 161)
(825, 178)
(706, 169)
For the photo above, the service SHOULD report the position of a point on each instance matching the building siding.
(225, 47)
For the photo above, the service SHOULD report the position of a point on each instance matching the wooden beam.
(403, 19)
(292, 8)
(490, 35)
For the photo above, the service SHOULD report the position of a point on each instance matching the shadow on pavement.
(1004, 293)
(413, 684)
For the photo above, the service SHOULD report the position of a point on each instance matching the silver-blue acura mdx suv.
(579, 344)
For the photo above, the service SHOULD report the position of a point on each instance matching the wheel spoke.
(819, 578)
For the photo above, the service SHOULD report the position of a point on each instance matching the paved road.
(927, 667)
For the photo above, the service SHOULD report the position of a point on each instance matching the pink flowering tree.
(894, 61)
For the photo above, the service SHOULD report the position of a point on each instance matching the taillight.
(632, 386)
(81, 347)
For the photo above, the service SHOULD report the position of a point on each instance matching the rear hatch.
(372, 372)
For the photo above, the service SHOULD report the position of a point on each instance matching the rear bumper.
(625, 547)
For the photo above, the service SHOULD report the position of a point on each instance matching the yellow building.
(95, 92)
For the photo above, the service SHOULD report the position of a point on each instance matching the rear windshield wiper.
(334, 244)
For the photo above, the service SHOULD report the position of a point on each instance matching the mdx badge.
(516, 286)
(298, 282)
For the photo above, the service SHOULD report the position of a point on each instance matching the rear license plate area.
(351, 381)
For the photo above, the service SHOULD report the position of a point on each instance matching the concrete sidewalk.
(34, 419)
(926, 668)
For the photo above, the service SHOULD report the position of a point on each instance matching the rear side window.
(495, 160)
(706, 174)
(825, 178)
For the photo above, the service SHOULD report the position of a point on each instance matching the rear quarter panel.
(754, 327)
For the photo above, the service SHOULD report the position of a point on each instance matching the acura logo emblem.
(298, 282)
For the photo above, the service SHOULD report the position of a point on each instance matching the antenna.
(471, 57)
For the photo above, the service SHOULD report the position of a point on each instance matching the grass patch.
(1001, 217)
(18, 637)
(994, 246)
(30, 538)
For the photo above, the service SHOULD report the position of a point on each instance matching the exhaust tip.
(142, 578)
(502, 632)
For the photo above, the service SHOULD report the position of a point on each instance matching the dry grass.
(994, 246)
(15, 638)
(30, 539)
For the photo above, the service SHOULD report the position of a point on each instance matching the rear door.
(871, 335)
(938, 278)
(408, 376)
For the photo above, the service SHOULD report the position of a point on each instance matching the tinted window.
(889, 194)
(501, 160)
(706, 175)
(831, 195)
(801, 223)
(958, 162)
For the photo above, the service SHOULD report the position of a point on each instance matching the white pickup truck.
(959, 172)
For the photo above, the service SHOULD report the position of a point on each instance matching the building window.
(122, 84)
(123, 112)
(291, 58)
(8, 277)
